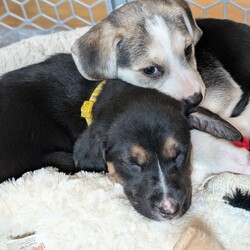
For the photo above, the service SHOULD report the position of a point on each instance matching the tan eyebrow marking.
(140, 153)
(169, 148)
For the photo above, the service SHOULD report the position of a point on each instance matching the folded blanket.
(88, 211)
(37, 49)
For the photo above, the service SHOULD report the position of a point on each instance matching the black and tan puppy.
(141, 137)
(142, 134)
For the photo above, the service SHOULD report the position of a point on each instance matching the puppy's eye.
(152, 71)
(175, 156)
(136, 168)
(188, 51)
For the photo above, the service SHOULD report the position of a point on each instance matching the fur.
(143, 136)
(152, 47)
(98, 206)
(227, 91)
(43, 105)
(47, 122)
(40, 110)
(223, 44)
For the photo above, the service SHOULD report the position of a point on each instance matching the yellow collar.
(86, 109)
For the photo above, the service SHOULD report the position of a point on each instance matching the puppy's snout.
(168, 208)
(194, 100)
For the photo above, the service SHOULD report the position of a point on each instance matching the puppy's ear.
(89, 152)
(95, 52)
(206, 121)
(190, 22)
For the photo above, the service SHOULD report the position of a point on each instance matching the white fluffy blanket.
(88, 211)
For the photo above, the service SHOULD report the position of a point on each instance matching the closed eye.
(176, 158)
(182, 159)
(134, 164)
(174, 155)
(156, 179)
(136, 168)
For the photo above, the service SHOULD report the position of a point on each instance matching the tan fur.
(142, 156)
(112, 173)
(169, 150)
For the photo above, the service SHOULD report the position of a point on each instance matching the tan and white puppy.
(148, 43)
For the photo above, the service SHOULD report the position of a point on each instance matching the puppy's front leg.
(61, 160)
(89, 154)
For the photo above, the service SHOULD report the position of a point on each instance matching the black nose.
(194, 100)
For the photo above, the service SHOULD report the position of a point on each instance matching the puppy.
(148, 43)
(141, 137)
(153, 47)
(222, 44)
(40, 115)
(142, 134)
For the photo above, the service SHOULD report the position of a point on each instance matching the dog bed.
(88, 211)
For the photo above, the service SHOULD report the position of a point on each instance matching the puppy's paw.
(88, 154)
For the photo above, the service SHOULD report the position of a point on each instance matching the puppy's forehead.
(132, 17)
(167, 39)
(158, 28)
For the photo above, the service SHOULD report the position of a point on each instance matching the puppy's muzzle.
(194, 100)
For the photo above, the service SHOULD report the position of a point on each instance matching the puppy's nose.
(168, 208)
(194, 100)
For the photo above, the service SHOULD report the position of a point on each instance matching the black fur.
(239, 199)
(229, 42)
(225, 44)
(241, 105)
(40, 123)
(40, 116)
(209, 122)
(126, 116)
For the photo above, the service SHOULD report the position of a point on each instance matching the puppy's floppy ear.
(89, 151)
(206, 121)
(95, 52)
(190, 22)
